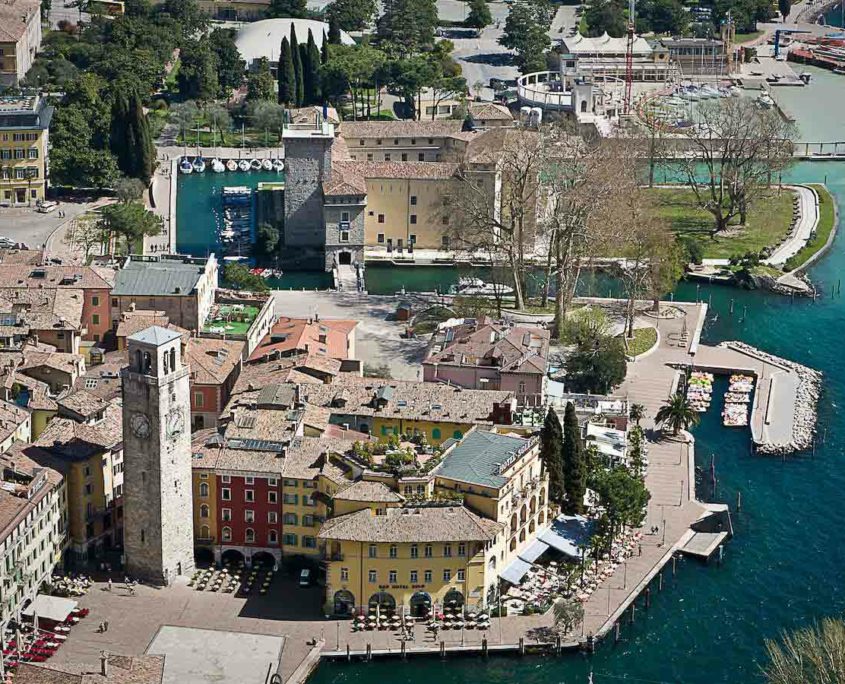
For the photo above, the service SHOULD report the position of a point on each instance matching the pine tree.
(334, 31)
(551, 453)
(324, 49)
(311, 71)
(296, 56)
(574, 463)
(287, 75)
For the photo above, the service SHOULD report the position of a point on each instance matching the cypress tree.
(574, 464)
(287, 76)
(296, 56)
(311, 71)
(324, 49)
(120, 137)
(144, 153)
(334, 31)
(551, 453)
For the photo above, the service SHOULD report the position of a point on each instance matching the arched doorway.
(344, 603)
(383, 601)
(345, 259)
(420, 604)
(203, 556)
(453, 599)
(232, 556)
(263, 559)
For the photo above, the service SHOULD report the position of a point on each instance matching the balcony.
(330, 555)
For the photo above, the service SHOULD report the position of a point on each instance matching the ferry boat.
(199, 165)
(185, 166)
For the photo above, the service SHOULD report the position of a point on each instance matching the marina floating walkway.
(704, 544)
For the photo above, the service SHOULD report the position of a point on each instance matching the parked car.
(46, 207)
(305, 578)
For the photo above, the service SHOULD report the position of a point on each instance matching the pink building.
(486, 354)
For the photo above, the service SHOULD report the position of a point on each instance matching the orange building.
(331, 338)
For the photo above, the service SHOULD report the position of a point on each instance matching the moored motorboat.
(185, 166)
(243, 165)
(217, 166)
(199, 165)
(476, 286)
(231, 165)
(278, 165)
(267, 165)
(255, 165)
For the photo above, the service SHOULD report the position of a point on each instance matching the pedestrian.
(109, 583)
(101, 627)
(639, 549)
(106, 626)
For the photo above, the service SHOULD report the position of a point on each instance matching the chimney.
(104, 664)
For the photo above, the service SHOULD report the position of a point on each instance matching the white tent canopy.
(53, 608)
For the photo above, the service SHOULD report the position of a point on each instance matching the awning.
(567, 533)
(53, 608)
(515, 571)
(533, 552)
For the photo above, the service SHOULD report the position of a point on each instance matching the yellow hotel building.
(24, 128)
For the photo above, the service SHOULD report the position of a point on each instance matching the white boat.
(217, 166)
(765, 101)
(231, 165)
(199, 165)
(255, 165)
(267, 165)
(243, 165)
(476, 286)
(278, 165)
(185, 166)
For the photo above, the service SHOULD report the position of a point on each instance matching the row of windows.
(249, 515)
(395, 141)
(308, 542)
(428, 550)
(249, 494)
(20, 173)
(413, 576)
(306, 484)
(19, 153)
(20, 137)
(249, 535)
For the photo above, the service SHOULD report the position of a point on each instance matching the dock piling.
(402, 645)
(348, 654)
(633, 611)
(616, 633)
(369, 652)
(647, 598)
(442, 649)
(739, 501)
(731, 310)
(484, 647)
(558, 646)
(674, 565)
(521, 645)
(660, 581)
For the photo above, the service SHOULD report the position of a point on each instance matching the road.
(24, 224)
(66, 10)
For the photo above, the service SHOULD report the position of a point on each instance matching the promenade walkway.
(808, 218)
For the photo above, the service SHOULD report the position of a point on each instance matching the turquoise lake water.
(781, 571)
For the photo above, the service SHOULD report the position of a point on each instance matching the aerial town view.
(469, 341)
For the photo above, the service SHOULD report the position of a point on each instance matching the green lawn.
(746, 37)
(235, 321)
(768, 222)
(644, 339)
(827, 217)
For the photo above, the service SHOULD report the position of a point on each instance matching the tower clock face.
(140, 425)
(175, 422)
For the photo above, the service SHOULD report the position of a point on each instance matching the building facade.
(24, 131)
(158, 527)
(20, 38)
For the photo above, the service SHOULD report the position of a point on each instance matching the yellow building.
(24, 126)
(85, 442)
(419, 557)
(19, 39)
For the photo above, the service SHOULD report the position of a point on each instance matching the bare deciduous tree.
(732, 150)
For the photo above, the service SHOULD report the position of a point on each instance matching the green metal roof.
(478, 459)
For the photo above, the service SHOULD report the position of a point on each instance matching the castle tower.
(158, 535)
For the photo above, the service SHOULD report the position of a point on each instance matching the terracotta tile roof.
(308, 457)
(212, 361)
(132, 322)
(374, 492)
(103, 379)
(353, 130)
(71, 364)
(326, 337)
(83, 403)
(70, 439)
(13, 16)
(409, 400)
(411, 524)
(22, 275)
(30, 257)
(490, 111)
(487, 343)
(43, 309)
(399, 169)
(18, 465)
(145, 669)
(305, 115)
(12, 417)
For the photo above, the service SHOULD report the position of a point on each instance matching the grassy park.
(768, 222)
(643, 340)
